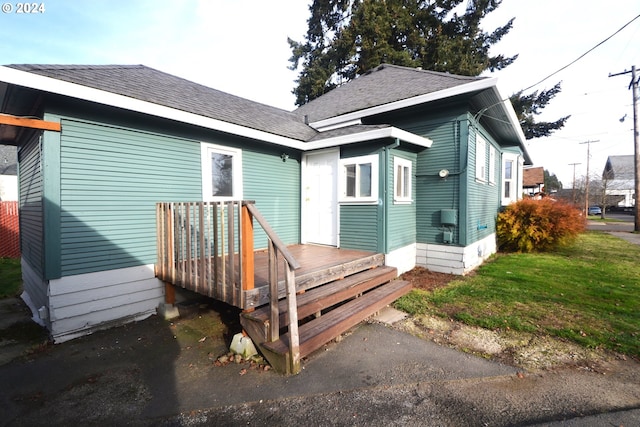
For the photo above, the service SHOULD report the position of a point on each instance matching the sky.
(240, 47)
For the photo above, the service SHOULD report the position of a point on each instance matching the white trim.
(409, 102)
(481, 158)
(304, 214)
(455, 259)
(408, 185)
(48, 84)
(373, 160)
(388, 132)
(492, 164)
(339, 125)
(207, 180)
(404, 259)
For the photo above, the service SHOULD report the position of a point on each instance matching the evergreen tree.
(551, 182)
(347, 38)
(528, 106)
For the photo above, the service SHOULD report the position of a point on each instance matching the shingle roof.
(532, 177)
(147, 84)
(620, 167)
(382, 85)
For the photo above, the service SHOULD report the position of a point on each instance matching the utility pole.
(574, 180)
(586, 195)
(636, 143)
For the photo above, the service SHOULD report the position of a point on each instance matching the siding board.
(110, 180)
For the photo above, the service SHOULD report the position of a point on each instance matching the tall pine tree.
(346, 38)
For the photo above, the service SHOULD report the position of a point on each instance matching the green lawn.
(10, 277)
(588, 292)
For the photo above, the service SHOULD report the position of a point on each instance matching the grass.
(588, 292)
(10, 277)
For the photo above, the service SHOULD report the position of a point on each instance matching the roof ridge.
(74, 66)
(422, 70)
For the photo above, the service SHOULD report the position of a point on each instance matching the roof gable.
(619, 167)
(382, 85)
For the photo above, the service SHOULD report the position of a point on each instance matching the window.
(481, 158)
(508, 179)
(402, 180)
(359, 177)
(492, 164)
(221, 173)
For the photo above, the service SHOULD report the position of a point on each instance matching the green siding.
(483, 196)
(110, 180)
(401, 218)
(432, 192)
(359, 227)
(31, 189)
(275, 187)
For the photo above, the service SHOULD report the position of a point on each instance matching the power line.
(482, 111)
(583, 55)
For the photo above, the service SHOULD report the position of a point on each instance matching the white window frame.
(402, 180)
(515, 180)
(481, 159)
(206, 150)
(492, 164)
(373, 160)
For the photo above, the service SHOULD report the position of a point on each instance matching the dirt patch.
(525, 350)
(428, 280)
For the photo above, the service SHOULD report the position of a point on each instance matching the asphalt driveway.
(157, 372)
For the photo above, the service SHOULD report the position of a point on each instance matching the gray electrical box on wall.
(449, 217)
(447, 237)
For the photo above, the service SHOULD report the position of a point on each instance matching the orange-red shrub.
(538, 225)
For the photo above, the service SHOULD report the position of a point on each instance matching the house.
(619, 175)
(409, 164)
(8, 173)
(533, 180)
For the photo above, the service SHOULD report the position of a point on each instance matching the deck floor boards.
(310, 257)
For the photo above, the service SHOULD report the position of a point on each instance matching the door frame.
(304, 217)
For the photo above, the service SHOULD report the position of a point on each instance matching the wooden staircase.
(324, 312)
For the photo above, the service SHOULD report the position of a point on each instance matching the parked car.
(595, 210)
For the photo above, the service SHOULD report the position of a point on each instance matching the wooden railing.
(208, 247)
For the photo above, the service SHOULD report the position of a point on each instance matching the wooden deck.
(318, 265)
(208, 247)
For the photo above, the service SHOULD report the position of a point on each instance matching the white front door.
(320, 198)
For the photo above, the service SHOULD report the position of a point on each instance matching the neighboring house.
(8, 173)
(618, 174)
(533, 181)
(409, 163)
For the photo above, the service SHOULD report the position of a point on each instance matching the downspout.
(384, 244)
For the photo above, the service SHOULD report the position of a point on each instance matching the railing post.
(292, 311)
(274, 313)
(247, 249)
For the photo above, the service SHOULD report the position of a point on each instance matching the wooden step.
(320, 331)
(312, 279)
(317, 299)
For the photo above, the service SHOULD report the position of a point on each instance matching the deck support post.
(169, 293)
